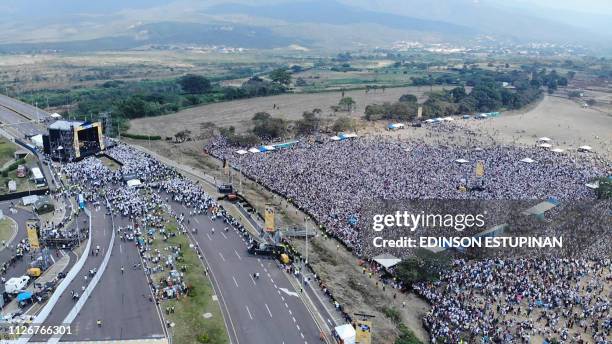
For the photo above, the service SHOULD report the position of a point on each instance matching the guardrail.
(61, 288)
(90, 287)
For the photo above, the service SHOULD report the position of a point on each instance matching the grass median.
(197, 318)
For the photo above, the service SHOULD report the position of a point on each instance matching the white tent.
(462, 161)
(395, 126)
(594, 185)
(335, 138)
(132, 183)
(585, 148)
(346, 333)
(254, 150)
(387, 260)
(448, 119)
(557, 150)
(545, 145)
(37, 140)
(269, 148)
(429, 120)
(545, 139)
(56, 115)
(528, 160)
(27, 200)
(241, 152)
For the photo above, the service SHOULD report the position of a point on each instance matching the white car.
(16, 284)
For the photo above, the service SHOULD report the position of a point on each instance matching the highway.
(27, 110)
(121, 301)
(101, 234)
(267, 310)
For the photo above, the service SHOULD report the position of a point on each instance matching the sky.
(591, 6)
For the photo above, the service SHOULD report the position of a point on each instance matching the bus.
(81, 201)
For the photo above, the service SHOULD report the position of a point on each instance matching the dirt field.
(291, 106)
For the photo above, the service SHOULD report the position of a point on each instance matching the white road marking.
(252, 279)
(223, 235)
(208, 235)
(301, 334)
(248, 311)
(196, 220)
(286, 305)
(293, 319)
(236, 283)
(298, 327)
(237, 255)
(268, 310)
(290, 293)
(290, 312)
(223, 258)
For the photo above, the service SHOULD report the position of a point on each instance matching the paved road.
(11, 119)
(26, 110)
(121, 301)
(268, 310)
(101, 234)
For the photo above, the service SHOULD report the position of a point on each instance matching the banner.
(479, 168)
(363, 332)
(269, 218)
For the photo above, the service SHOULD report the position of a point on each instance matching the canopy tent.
(585, 148)
(56, 115)
(285, 144)
(133, 183)
(557, 150)
(429, 120)
(387, 260)
(346, 333)
(344, 136)
(335, 138)
(24, 295)
(594, 185)
(266, 148)
(241, 152)
(528, 160)
(462, 161)
(254, 150)
(393, 126)
(545, 139)
(545, 145)
(37, 140)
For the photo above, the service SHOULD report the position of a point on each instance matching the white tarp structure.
(585, 148)
(557, 150)
(335, 138)
(29, 200)
(396, 126)
(462, 161)
(448, 119)
(12, 186)
(545, 145)
(387, 260)
(429, 120)
(56, 115)
(346, 333)
(528, 160)
(37, 140)
(241, 152)
(594, 185)
(132, 183)
(254, 150)
(545, 139)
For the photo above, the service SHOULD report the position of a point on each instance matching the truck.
(16, 284)
(22, 171)
(266, 250)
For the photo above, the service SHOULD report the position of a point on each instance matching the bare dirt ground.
(290, 106)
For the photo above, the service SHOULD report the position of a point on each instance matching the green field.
(7, 151)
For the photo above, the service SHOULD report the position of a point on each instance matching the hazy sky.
(593, 6)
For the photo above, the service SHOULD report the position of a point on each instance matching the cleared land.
(7, 151)
(7, 230)
(289, 106)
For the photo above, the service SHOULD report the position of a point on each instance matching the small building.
(12, 186)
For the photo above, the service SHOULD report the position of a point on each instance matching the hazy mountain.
(317, 24)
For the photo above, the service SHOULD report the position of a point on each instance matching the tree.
(308, 124)
(343, 124)
(195, 84)
(261, 116)
(408, 98)
(347, 103)
(281, 76)
(267, 127)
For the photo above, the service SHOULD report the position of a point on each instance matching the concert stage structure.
(73, 140)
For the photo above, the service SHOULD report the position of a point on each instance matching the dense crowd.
(332, 180)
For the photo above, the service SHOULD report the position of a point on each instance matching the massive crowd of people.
(333, 180)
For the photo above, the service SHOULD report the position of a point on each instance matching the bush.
(393, 314)
(406, 336)
(13, 166)
(142, 137)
